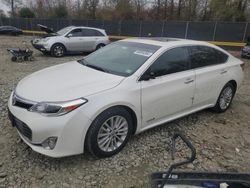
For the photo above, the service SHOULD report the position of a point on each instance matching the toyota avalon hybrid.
(97, 103)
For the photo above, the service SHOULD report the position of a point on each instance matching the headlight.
(45, 40)
(57, 108)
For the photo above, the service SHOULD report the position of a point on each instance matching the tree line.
(185, 10)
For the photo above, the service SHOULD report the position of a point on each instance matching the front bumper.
(40, 47)
(245, 53)
(70, 130)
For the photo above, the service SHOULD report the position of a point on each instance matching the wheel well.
(131, 112)
(59, 44)
(100, 44)
(134, 118)
(234, 83)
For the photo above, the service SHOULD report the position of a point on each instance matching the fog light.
(49, 143)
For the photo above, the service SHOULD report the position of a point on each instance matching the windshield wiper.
(84, 62)
(96, 67)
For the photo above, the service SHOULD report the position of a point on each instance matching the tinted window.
(98, 33)
(201, 56)
(76, 33)
(172, 61)
(88, 32)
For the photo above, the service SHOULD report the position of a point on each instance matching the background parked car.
(10, 30)
(246, 49)
(71, 39)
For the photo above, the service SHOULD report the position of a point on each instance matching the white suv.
(71, 39)
(127, 87)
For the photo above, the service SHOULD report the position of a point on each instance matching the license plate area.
(21, 126)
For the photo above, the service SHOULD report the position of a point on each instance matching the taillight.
(242, 65)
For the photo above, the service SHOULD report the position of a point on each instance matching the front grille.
(21, 126)
(22, 103)
(23, 129)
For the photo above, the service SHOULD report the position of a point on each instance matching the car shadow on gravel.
(165, 130)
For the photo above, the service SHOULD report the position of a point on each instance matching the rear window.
(91, 33)
(98, 33)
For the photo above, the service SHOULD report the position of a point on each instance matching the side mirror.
(147, 76)
(69, 35)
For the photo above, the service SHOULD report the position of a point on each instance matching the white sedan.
(96, 104)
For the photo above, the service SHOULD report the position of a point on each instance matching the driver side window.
(76, 33)
(172, 61)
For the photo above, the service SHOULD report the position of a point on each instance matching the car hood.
(65, 82)
(46, 29)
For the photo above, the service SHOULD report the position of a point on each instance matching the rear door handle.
(223, 72)
(188, 81)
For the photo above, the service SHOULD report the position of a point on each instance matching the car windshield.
(120, 58)
(64, 30)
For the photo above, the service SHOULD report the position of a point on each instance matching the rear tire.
(58, 50)
(99, 46)
(109, 132)
(225, 98)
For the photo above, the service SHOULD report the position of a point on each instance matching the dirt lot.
(222, 141)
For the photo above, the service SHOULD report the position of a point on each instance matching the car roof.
(172, 42)
(84, 27)
(7, 26)
(166, 42)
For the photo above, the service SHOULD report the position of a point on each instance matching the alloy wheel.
(112, 133)
(58, 51)
(226, 98)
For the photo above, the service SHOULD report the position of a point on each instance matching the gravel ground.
(222, 141)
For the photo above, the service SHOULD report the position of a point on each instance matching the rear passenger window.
(172, 61)
(202, 56)
(91, 33)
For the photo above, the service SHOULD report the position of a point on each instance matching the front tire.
(109, 132)
(225, 98)
(58, 50)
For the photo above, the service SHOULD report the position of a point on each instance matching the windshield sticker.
(143, 53)
(129, 71)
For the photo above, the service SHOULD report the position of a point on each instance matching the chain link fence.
(207, 31)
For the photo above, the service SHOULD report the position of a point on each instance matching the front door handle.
(223, 72)
(188, 81)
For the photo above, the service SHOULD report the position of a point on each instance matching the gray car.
(71, 39)
(245, 53)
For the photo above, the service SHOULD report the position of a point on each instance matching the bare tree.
(93, 7)
(165, 8)
(158, 9)
(171, 9)
(139, 7)
(13, 4)
(179, 9)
